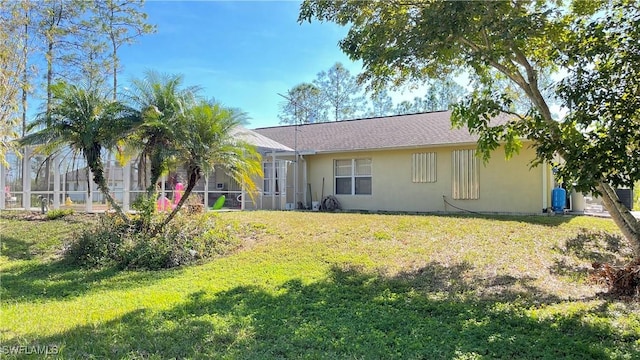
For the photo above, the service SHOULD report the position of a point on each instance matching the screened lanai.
(64, 181)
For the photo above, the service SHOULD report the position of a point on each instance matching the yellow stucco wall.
(506, 186)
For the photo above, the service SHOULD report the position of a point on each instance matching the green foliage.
(210, 135)
(119, 23)
(189, 239)
(145, 207)
(98, 245)
(334, 95)
(398, 44)
(341, 92)
(523, 42)
(381, 104)
(304, 105)
(12, 66)
(483, 114)
(178, 127)
(510, 49)
(440, 95)
(88, 123)
(161, 101)
(602, 131)
(414, 41)
(58, 213)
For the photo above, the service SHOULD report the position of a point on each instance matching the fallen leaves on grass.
(622, 281)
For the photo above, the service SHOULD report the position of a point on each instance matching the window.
(353, 177)
(423, 168)
(465, 175)
(274, 182)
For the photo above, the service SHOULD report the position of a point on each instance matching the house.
(414, 163)
(409, 163)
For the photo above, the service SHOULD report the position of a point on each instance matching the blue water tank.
(558, 199)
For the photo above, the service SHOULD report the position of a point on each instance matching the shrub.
(58, 213)
(194, 204)
(188, 239)
(145, 207)
(99, 245)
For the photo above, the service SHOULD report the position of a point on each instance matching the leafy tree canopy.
(11, 68)
(518, 42)
(594, 42)
(602, 90)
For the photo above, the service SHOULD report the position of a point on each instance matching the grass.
(319, 285)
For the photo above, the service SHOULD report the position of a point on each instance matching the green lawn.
(318, 285)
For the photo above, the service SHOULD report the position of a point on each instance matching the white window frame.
(280, 179)
(353, 175)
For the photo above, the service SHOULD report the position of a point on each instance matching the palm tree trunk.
(156, 171)
(95, 164)
(194, 177)
(142, 172)
(104, 189)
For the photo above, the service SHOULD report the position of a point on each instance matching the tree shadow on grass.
(59, 280)
(592, 247)
(544, 220)
(15, 249)
(350, 314)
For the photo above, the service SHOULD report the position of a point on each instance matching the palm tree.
(206, 140)
(85, 121)
(161, 102)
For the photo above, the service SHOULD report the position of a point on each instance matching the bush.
(187, 239)
(100, 245)
(58, 213)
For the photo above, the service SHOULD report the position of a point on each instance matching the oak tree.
(400, 41)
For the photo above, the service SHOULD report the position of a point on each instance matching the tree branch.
(514, 76)
(532, 76)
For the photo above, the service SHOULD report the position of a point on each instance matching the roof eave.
(406, 147)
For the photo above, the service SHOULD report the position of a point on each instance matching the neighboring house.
(414, 163)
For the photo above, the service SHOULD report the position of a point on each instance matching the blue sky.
(243, 53)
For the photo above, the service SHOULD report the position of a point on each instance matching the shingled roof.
(262, 142)
(390, 132)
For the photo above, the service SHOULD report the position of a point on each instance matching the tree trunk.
(104, 189)
(628, 224)
(155, 166)
(114, 59)
(142, 172)
(95, 164)
(25, 72)
(49, 75)
(194, 177)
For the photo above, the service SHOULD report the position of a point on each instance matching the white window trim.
(352, 176)
(280, 179)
